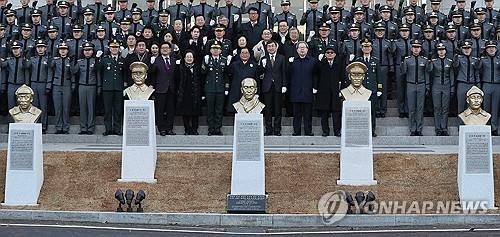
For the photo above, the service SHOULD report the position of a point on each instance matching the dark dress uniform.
(417, 83)
(61, 84)
(23, 14)
(489, 68)
(442, 79)
(149, 16)
(467, 76)
(179, 11)
(288, 16)
(382, 51)
(112, 72)
(225, 44)
(98, 9)
(189, 97)
(16, 76)
(402, 50)
(237, 72)
(216, 82)
(312, 19)
(329, 82)
(40, 74)
(372, 82)
(48, 11)
(63, 23)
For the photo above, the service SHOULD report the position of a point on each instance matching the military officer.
(319, 44)
(61, 85)
(48, 10)
(373, 78)
(216, 86)
(402, 50)
(3, 42)
(179, 11)
(489, 67)
(162, 25)
(345, 15)
(435, 12)
(382, 51)
(88, 82)
(450, 41)
(150, 15)
(352, 45)
(466, 15)
(442, 80)
(39, 29)
(457, 19)
(390, 28)
(265, 12)
(312, 19)
(63, 20)
(98, 9)
(478, 42)
(123, 11)
(491, 14)
(338, 29)
(226, 45)
(360, 19)
(109, 22)
(286, 14)
(88, 27)
(428, 42)
(52, 41)
(112, 71)
(487, 29)
(433, 19)
(16, 74)
(466, 70)
(40, 73)
(75, 44)
(11, 28)
(27, 41)
(413, 24)
(417, 86)
(101, 42)
(232, 13)
(136, 24)
(23, 12)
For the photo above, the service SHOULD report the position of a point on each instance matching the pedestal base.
(249, 204)
(151, 181)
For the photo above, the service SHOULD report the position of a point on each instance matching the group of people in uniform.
(77, 60)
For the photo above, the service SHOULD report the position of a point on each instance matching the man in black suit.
(162, 74)
(273, 69)
(252, 29)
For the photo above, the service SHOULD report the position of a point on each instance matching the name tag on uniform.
(446, 65)
(421, 64)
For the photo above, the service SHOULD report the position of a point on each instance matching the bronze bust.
(356, 91)
(249, 102)
(25, 112)
(474, 115)
(139, 91)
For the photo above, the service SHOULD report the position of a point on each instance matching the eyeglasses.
(329, 52)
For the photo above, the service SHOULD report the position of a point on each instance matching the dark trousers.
(190, 123)
(302, 111)
(325, 115)
(165, 111)
(113, 110)
(273, 101)
(215, 110)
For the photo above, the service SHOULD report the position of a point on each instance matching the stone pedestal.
(248, 166)
(475, 165)
(24, 174)
(356, 152)
(139, 142)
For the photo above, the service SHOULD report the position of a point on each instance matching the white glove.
(315, 91)
(379, 93)
(191, 41)
(351, 57)
(264, 62)
(340, 94)
(320, 57)
(226, 92)
(178, 62)
(283, 90)
(152, 60)
(121, 48)
(236, 17)
(114, 30)
(291, 59)
(206, 59)
(229, 57)
(205, 39)
(203, 98)
(212, 22)
(311, 34)
(98, 54)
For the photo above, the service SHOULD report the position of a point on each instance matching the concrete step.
(181, 140)
(381, 130)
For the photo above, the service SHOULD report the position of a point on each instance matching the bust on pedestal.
(248, 167)
(475, 157)
(356, 152)
(24, 176)
(139, 130)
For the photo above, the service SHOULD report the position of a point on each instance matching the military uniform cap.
(450, 28)
(24, 89)
(88, 45)
(354, 26)
(138, 65)
(324, 26)
(125, 21)
(164, 12)
(416, 43)
(109, 9)
(335, 9)
(63, 4)
(36, 12)
(100, 28)
(480, 10)
(460, 0)
(497, 29)
(122, 0)
(40, 43)
(359, 10)
(379, 26)
(404, 27)
(366, 42)
(385, 8)
(114, 43)
(490, 43)
(428, 28)
(150, 0)
(16, 44)
(77, 28)
(136, 11)
(456, 14)
(2, 26)
(10, 12)
(435, 1)
(313, 1)
(52, 28)
(409, 11)
(433, 15)
(357, 66)
(467, 44)
(285, 2)
(474, 90)
(219, 27)
(26, 26)
(440, 46)
(88, 11)
(474, 26)
(215, 45)
(63, 45)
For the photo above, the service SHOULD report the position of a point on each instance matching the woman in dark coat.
(189, 93)
(329, 82)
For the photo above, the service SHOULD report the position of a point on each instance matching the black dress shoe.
(90, 133)
(382, 115)
(494, 133)
(65, 132)
(118, 133)
(419, 134)
(412, 134)
(439, 133)
(195, 132)
(171, 133)
(401, 115)
(374, 134)
(210, 133)
(107, 133)
(59, 132)
(325, 134)
(295, 134)
(268, 133)
(445, 133)
(82, 133)
(337, 134)
(309, 134)
(44, 131)
(277, 133)
(163, 133)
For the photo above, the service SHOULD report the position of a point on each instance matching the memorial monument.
(24, 174)
(475, 157)
(248, 166)
(139, 137)
(356, 152)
